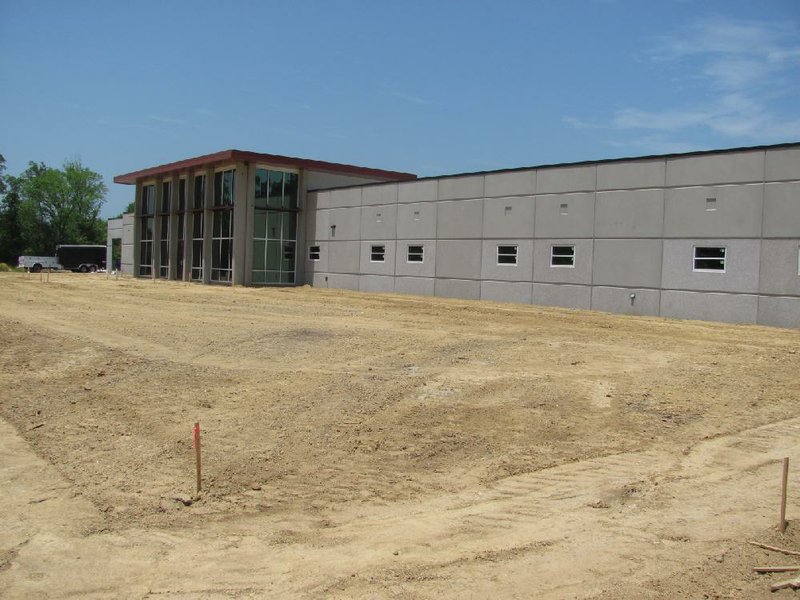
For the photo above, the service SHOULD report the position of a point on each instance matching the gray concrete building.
(706, 235)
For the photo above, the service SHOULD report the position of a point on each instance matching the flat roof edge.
(225, 156)
(585, 163)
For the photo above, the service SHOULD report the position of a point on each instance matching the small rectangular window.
(564, 209)
(506, 255)
(709, 259)
(416, 254)
(313, 253)
(377, 253)
(562, 256)
(711, 204)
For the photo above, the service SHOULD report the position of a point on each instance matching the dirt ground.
(383, 446)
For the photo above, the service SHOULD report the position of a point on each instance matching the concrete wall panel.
(418, 191)
(629, 214)
(556, 180)
(505, 291)
(320, 180)
(458, 288)
(631, 174)
(419, 286)
(344, 257)
(379, 194)
(780, 267)
(379, 222)
(344, 224)
(704, 306)
(741, 269)
(376, 284)
(370, 267)
(127, 243)
(317, 224)
(565, 296)
(580, 273)
(629, 263)
(564, 215)
(618, 300)
(781, 210)
(315, 200)
(337, 281)
(460, 219)
(513, 183)
(316, 266)
(452, 188)
(782, 164)
(716, 168)
(416, 221)
(345, 197)
(458, 259)
(427, 268)
(522, 271)
(736, 211)
(779, 311)
(508, 217)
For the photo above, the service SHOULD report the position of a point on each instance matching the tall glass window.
(163, 256)
(146, 216)
(198, 226)
(180, 224)
(274, 227)
(222, 232)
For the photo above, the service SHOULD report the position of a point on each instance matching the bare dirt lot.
(382, 446)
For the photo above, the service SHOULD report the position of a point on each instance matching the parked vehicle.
(83, 258)
(34, 264)
(71, 257)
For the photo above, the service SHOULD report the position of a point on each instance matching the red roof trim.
(228, 156)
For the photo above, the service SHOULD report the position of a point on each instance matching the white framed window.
(313, 253)
(377, 253)
(562, 256)
(416, 254)
(507, 255)
(709, 259)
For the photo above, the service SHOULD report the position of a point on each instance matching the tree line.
(44, 207)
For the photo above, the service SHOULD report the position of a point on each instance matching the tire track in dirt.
(522, 526)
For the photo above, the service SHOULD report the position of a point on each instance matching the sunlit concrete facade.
(707, 235)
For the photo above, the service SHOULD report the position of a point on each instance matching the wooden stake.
(775, 548)
(792, 583)
(782, 523)
(776, 569)
(48, 275)
(196, 432)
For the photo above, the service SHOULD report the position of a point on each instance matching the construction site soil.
(383, 446)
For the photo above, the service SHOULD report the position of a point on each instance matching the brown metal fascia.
(226, 156)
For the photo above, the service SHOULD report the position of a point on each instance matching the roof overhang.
(208, 161)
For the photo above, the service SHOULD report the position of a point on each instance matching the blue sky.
(429, 87)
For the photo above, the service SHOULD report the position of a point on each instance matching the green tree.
(60, 206)
(11, 242)
(128, 209)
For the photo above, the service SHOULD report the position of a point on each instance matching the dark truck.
(81, 258)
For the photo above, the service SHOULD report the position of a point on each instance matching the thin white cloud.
(168, 120)
(742, 65)
(407, 97)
